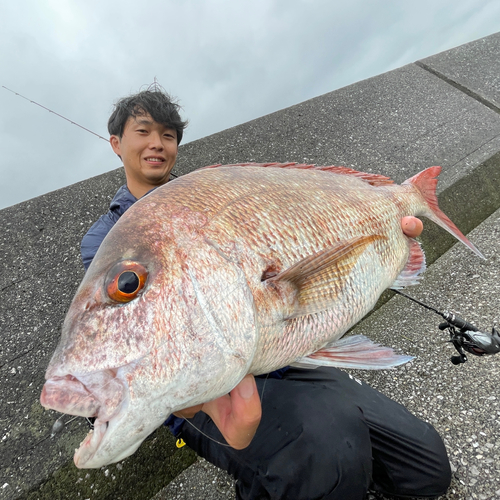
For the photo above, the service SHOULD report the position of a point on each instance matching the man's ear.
(114, 140)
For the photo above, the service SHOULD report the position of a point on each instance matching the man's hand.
(412, 226)
(236, 415)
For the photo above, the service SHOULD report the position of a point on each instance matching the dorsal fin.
(373, 179)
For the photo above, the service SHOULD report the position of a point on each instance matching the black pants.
(325, 436)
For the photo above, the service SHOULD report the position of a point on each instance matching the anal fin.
(356, 351)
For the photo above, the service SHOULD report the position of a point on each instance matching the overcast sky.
(227, 62)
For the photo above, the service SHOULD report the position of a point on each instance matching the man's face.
(148, 151)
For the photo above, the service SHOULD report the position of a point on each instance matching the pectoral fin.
(356, 351)
(413, 269)
(319, 278)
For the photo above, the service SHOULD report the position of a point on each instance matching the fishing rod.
(64, 118)
(464, 335)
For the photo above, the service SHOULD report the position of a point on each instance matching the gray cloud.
(227, 62)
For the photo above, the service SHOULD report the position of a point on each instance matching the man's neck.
(139, 190)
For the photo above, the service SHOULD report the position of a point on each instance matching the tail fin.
(426, 182)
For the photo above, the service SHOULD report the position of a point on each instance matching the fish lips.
(96, 394)
(101, 395)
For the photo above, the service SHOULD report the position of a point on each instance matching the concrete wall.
(443, 110)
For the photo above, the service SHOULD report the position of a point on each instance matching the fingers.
(237, 416)
(412, 226)
(247, 411)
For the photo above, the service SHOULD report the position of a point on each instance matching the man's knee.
(438, 470)
(422, 471)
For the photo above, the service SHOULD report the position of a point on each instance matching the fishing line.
(201, 432)
(57, 114)
(261, 395)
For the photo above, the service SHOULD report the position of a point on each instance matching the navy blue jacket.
(91, 242)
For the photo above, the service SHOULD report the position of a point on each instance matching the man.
(294, 434)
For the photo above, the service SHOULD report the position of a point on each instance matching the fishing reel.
(463, 335)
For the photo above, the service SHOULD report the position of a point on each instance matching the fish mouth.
(99, 395)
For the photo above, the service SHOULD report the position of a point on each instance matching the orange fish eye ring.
(126, 280)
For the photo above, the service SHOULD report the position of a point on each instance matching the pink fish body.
(226, 271)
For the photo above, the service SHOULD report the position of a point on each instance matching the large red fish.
(227, 271)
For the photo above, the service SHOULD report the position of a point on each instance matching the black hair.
(157, 103)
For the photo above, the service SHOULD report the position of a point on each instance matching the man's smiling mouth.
(154, 159)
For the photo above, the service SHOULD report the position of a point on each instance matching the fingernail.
(246, 388)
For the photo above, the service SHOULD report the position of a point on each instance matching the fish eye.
(128, 282)
(125, 280)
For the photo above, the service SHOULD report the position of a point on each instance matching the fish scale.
(239, 269)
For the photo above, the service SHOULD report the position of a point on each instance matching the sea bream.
(226, 271)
